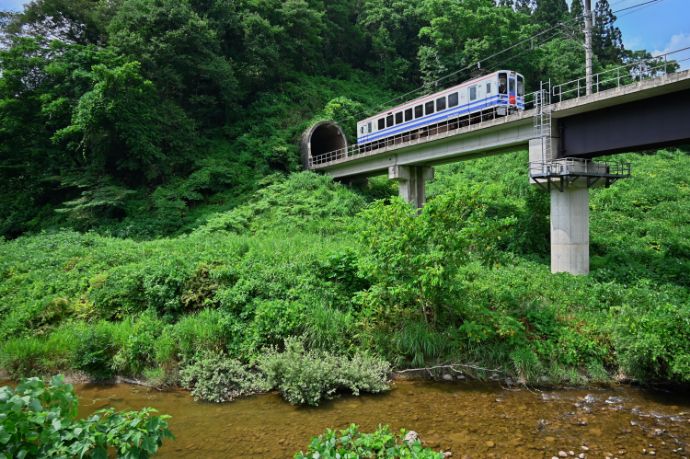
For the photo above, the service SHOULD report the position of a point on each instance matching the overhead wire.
(478, 63)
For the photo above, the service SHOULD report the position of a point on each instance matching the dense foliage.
(138, 117)
(350, 443)
(466, 280)
(39, 420)
(155, 223)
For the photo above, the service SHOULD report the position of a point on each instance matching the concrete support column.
(411, 182)
(570, 229)
(541, 151)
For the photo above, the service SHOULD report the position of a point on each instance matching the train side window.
(361, 130)
(369, 127)
(440, 104)
(382, 124)
(429, 108)
(521, 86)
(408, 114)
(473, 93)
(399, 118)
(419, 111)
(389, 121)
(453, 100)
(488, 88)
(502, 83)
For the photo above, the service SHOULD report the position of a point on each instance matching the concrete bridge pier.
(570, 229)
(412, 182)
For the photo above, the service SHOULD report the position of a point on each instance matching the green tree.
(180, 53)
(550, 12)
(447, 46)
(392, 28)
(607, 40)
(123, 128)
(577, 14)
(71, 21)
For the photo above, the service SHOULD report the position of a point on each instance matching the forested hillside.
(155, 219)
(137, 117)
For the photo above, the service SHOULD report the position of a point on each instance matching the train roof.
(426, 97)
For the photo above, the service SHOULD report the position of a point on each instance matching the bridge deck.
(449, 143)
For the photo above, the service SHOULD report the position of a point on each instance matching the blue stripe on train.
(480, 104)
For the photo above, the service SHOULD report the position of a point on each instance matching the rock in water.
(411, 437)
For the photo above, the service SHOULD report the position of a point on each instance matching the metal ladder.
(542, 119)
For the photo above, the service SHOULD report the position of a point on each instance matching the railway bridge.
(564, 131)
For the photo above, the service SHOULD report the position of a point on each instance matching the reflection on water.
(471, 420)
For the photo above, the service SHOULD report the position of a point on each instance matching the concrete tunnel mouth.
(321, 138)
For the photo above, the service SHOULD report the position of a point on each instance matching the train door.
(512, 89)
(502, 93)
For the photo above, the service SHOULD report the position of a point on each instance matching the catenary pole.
(588, 45)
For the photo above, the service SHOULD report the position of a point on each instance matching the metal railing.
(446, 128)
(579, 167)
(608, 79)
(644, 69)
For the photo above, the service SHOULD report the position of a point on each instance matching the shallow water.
(471, 420)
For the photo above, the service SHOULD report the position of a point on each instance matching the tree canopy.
(105, 106)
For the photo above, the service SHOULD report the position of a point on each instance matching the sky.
(660, 26)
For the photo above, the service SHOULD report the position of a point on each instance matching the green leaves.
(412, 258)
(38, 420)
(350, 443)
(307, 376)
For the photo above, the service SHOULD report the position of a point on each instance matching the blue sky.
(660, 26)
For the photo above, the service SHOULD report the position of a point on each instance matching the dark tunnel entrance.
(322, 138)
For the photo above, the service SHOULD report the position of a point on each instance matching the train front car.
(497, 94)
(511, 90)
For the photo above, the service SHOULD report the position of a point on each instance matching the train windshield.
(520, 86)
(502, 83)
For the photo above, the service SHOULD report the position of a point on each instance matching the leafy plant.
(96, 350)
(307, 377)
(215, 377)
(350, 443)
(39, 420)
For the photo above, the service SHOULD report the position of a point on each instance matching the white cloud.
(677, 41)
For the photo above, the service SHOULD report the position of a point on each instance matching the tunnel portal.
(323, 137)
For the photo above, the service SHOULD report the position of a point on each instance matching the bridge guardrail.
(580, 167)
(644, 69)
(613, 78)
(441, 130)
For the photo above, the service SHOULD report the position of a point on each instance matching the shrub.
(41, 421)
(96, 349)
(655, 344)
(305, 377)
(208, 330)
(215, 377)
(350, 443)
(138, 351)
(34, 356)
(275, 320)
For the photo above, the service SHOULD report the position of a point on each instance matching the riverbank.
(473, 419)
(463, 281)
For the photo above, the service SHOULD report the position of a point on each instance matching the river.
(469, 419)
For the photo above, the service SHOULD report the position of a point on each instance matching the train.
(497, 94)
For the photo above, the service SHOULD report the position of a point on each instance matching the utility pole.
(588, 45)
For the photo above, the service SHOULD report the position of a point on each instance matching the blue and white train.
(497, 94)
